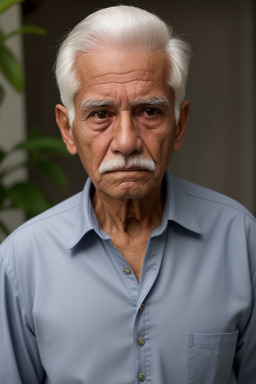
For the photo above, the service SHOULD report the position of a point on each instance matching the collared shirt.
(73, 312)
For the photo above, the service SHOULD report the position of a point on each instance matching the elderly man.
(141, 277)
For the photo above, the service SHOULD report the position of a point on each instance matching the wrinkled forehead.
(107, 69)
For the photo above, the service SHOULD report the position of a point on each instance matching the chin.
(130, 191)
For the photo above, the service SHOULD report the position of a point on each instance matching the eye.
(101, 114)
(150, 112)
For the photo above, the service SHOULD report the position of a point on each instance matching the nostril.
(127, 145)
(127, 148)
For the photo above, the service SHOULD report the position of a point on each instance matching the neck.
(128, 216)
(129, 223)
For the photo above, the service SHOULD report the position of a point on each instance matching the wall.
(219, 150)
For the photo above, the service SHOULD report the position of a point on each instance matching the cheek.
(92, 149)
(84, 147)
(160, 144)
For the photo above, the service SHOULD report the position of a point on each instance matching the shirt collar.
(85, 218)
(177, 209)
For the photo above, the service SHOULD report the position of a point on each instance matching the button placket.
(142, 349)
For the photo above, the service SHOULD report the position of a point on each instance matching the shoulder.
(205, 198)
(42, 239)
(58, 217)
(225, 223)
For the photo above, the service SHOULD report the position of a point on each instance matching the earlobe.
(181, 126)
(65, 129)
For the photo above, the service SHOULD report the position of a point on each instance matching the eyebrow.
(94, 103)
(152, 101)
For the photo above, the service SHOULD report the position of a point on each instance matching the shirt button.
(142, 307)
(141, 341)
(127, 270)
(141, 376)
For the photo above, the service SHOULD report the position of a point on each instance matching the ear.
(65, 129)
(181, 126)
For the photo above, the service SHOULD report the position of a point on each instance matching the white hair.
(117, 27)
(120, 161)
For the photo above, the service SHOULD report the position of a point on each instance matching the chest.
(94, 314)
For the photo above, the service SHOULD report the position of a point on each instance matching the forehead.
(122, 73)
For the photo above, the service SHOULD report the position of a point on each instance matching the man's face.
(123, 110)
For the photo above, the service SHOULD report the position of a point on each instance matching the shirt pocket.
(211, 357)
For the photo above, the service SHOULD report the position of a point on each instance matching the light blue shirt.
(72, 311)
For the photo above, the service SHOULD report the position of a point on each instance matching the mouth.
(130, 169)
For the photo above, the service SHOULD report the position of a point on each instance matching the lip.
(131, 169)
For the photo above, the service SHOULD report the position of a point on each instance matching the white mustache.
(121, 162)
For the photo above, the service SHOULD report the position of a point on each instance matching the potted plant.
(40, 150)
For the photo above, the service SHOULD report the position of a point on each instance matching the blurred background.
(219, 149)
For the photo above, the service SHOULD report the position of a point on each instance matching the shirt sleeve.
(19, 357)
(245, 362)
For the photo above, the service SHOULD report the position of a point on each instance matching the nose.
(126, 137)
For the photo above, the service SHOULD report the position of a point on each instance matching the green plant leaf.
(54, 173)
(2, 154)
(26, 29)
(28, 196)
(5, 4)
(11, 68)
(1, 94)
(2, 196)
(3, 228)
(44, 143)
